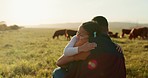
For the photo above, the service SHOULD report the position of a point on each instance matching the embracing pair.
(91, 54)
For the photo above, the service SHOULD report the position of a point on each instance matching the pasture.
(32, 53)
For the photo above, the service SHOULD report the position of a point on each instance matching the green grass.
(32, 53)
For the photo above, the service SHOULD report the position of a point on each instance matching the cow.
(110, 33)
(142, 32)
(70, 33)
(114, 35)
(125, 31)
(59, 33)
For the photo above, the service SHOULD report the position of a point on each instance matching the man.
(103, 62)
(102, 23)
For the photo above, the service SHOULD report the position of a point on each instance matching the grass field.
(32, 53)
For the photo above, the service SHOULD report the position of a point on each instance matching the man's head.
(102, 23)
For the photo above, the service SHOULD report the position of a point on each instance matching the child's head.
(88, 29)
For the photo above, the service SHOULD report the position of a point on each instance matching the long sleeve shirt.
(70, 50)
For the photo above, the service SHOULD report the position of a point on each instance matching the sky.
(34, 12)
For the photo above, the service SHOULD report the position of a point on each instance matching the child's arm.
(70, 50)
(82, 51)
(64, 60)
(76, 46)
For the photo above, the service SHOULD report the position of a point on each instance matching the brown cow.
(142, 32)
(125, 31)
(145, 33)
(70, 33)
(59, 33)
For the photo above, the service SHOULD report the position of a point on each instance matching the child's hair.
(92, 28)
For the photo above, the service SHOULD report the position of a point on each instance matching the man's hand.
(119, 48)
(81, 56)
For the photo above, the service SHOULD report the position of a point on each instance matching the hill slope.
(76, 25)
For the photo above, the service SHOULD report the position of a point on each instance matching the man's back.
(104, 62)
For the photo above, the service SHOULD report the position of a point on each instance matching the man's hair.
(102, 23)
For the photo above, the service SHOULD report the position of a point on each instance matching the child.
(79, 43)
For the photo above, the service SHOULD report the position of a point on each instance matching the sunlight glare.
(92, 64)
(29, 11)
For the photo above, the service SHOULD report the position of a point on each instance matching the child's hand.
(81, 42)
(81, 56)
(87, 47)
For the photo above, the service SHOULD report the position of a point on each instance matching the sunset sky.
(33, 12)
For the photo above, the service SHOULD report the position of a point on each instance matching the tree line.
(4, 27)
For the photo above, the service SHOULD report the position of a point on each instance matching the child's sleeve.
(70, 50)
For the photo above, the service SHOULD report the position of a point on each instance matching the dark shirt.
(104, 61)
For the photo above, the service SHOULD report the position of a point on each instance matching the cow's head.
(130, 36)
(53, 36)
